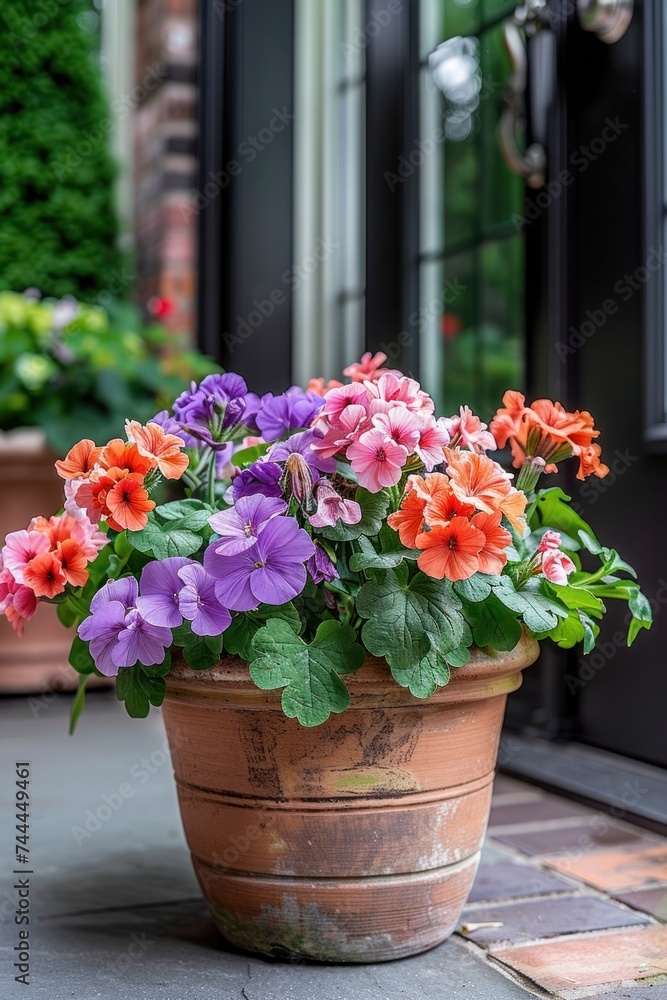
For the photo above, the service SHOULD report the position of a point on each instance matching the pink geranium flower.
(332, 508)
(550, 540)
(401, 425)
(468, 431)
(17, 602)
(367, 368)
(336, 400)
(557, 566)
(377, 460)
(20, 547)
(433, 439)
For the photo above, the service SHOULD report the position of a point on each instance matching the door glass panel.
(472, 257)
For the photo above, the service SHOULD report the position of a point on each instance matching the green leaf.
(374, 508)
(642, 614)
(476, 588)
(578, 597)
(424, 677)
(539, 612)
(172, 538)
(202, 651)
(567, 632)
(246, 456)
(406, 621)
(368, 558)
(80, 657)
(193, 513)
(458, 657)
(245, 626)
(154, 688)
(78, 704)
(551, 509)
(309, 673)
(493, 624)
(67, 615)
(130, 689)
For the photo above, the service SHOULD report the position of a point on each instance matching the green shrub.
(58, 230)
(76, 370)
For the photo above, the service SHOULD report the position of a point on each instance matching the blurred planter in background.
(74, 369)
(39, 661)
(69, 370)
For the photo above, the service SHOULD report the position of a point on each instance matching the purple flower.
(260, 477)
(171, 426)
(288, 412)
(240, 526)
(117, 632)
(271, 571)
(331, 508)
(302, 443)
(321, 567)
(138, 640)
(160, 585)
(198, 602)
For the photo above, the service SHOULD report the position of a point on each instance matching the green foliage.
(309, 673)
(56, 172)
(175, 529)
(140, 686)
(82, 373)
(240, 634)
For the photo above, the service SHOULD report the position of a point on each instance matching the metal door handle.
(532, 164)
(609, 19)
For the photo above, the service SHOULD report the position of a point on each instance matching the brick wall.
(164, 157)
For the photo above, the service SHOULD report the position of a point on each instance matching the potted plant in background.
(333, 614)
(64, 367)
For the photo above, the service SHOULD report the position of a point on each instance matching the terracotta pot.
(356, 841)
(30, 486)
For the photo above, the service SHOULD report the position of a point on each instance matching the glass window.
(471, 256)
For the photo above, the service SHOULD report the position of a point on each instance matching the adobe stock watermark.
(422, 149)
(624, 289)
(580, 160)
(291, 279)
(111, 802)
(246, 151)
(72, 158)
(363, 36)
(420, 320)
(591, 664)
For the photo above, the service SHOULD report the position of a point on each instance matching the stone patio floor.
(568, 902)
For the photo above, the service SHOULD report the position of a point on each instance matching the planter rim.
(487, 673)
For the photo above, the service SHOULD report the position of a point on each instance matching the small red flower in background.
(160, 308)
(450, 325)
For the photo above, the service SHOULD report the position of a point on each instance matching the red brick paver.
(590, 959)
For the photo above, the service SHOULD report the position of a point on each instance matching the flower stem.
(210, 493)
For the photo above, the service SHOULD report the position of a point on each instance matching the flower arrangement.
(66, 365)
(316, 527)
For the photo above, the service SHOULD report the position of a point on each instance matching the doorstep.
(572, 903)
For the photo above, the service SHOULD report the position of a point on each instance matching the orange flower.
(73, 562)
(590, 464)
(429, 486)
(44, 575)
(451, 550)
(513, 507)
(317, 385)
(161, 449)
(548, 431)
(79, 461)
(493, 557)
(128, 504)
(119, 455)
(477, 479)
(445, 505)
(408, 521)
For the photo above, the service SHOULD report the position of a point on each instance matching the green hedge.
(58, 225)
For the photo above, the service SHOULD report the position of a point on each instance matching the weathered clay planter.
(40, 660)
(357, 841)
